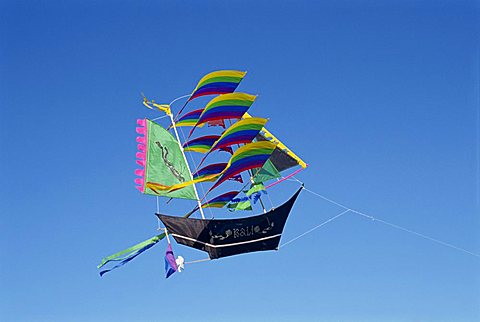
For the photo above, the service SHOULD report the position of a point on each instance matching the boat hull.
(227, 237)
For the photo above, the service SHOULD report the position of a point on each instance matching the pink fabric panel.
(141, 130)
(142, 122)
(140, 172)
(141, 139)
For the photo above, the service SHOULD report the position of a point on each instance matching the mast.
(186, 162)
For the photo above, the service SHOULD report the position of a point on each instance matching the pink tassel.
(141, 147)
(142, 122)
(141, 139)
(139, 181)
(140, 188)
(140, 155)
(141, 130)
(140, 172)
(141, 162)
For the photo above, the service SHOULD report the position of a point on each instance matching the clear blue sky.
(380, 98)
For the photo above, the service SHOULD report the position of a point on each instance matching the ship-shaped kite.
(251, 158)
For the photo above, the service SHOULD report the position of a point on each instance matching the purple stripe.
(214, 88)
(223, 112)
(215, 85)
(204, 140)
(236, 138)
(226, 197)
(191, 115)
(210, 169)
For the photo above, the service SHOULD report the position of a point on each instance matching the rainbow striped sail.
(218, 82)
(221, 200)
(209, 170)
(249, 156)
(202, 144)
(190, 118)
(227, 106)
(244, 131)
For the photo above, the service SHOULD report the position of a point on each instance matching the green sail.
(267, 172)
(165, 163)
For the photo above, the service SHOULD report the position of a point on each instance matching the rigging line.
(438, 241)
(179, 98)
(159, 118)
(183, 107)
(312, 229)
(194, 163)
(199, 261)
(158, 211)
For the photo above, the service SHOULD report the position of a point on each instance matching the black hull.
(227, 237)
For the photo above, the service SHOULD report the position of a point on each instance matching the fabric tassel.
(170, 264)
(141, 130)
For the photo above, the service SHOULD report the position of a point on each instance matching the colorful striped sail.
(202, 144)
(190, 118)
(249, 156)
(221, 200)
(223, 107)
(218, 82)
(244, 131)
(209, 170)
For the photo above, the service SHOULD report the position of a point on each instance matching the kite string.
(347, 209)
(312, 229)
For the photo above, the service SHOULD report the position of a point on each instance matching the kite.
(165, 171)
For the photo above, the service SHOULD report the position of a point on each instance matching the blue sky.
(380, 98)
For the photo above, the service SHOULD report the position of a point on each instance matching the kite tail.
(128, 254)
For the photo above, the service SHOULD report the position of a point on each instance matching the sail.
(204, 144)
(249, 156)
(163, 161)
(218, 82)
(221, 200)
(210, 170)
(201, 144)
(243, 131)
(190, 118)
(225, 107)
